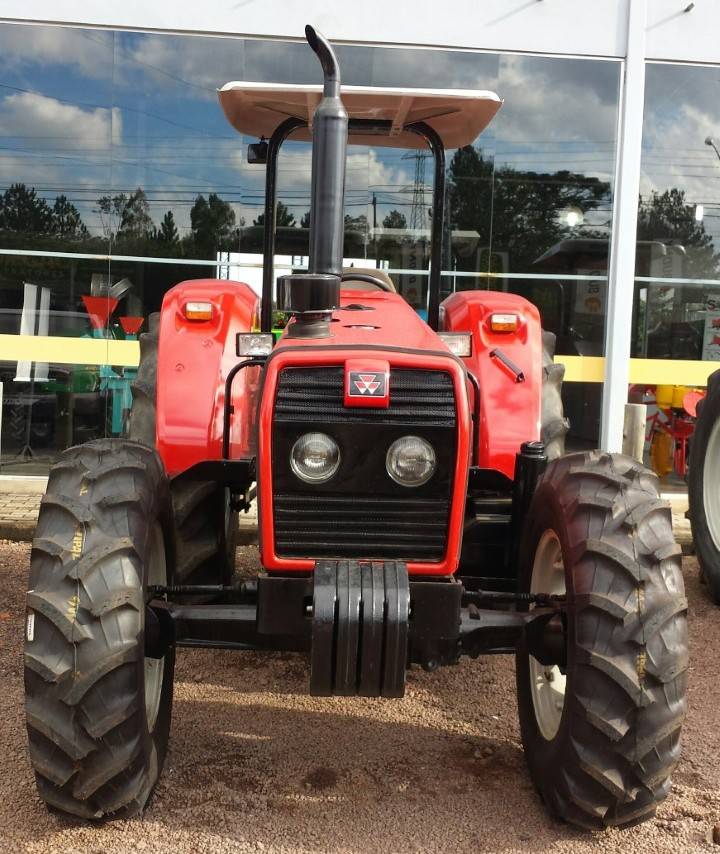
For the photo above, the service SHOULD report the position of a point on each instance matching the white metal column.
(621, 272)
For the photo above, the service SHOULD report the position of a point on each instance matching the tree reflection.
(667, 217)
(516, 211)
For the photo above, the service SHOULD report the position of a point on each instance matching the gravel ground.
(256, 765)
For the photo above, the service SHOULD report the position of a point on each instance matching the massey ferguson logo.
(367, 384)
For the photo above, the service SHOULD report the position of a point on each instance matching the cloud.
(88, 51)
(557, 100)
(57, 147)
(367, 170)
(47, 124)
(195, 65)
(681, 112)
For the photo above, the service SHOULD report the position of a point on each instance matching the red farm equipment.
(703, 480)
(414, 504)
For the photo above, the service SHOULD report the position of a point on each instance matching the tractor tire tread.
(89, 747)
(707, 550)
(629, 647)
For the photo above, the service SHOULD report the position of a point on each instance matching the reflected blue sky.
(91, 112)
(682, 109)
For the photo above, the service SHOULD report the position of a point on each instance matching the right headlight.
(410, 461)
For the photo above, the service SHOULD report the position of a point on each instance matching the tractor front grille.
(367, 527)
(361, 512)
(416, 397)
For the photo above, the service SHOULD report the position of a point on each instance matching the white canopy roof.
(457, 115)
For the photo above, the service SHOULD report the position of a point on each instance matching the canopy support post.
(280, 134)
(438, 217)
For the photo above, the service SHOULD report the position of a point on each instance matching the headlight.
(315, 457)
(410, 461)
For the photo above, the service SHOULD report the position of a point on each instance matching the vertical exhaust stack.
(312, 296)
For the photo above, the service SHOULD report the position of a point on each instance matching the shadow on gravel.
(345, 779)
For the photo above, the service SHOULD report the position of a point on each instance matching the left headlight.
(410, 461)
(315, 457)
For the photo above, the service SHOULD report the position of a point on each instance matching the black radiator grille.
(317, 394)
(364, 527)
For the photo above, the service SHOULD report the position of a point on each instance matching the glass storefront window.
(48, 407)
(57, 129)
(117, 157)
(676, 306)
(677, 286)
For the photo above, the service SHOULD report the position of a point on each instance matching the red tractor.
(409, 513)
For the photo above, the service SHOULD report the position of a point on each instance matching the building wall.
(598, 28)
(581, 27)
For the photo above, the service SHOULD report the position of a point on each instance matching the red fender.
(194, 358)
(509, 410)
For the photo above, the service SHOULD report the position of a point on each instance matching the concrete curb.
(22, 484)
(17, 531)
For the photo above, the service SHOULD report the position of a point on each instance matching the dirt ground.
(256, 765)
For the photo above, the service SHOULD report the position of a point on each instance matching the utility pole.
(417, 210)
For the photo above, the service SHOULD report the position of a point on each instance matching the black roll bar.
(438, 216)
(367, 127)
(280, 134)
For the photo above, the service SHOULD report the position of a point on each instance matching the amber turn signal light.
(198, 310)
(503, 322)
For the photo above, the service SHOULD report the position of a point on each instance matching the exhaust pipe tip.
(325, 53)
(311, 36)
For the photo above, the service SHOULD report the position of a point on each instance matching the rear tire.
(206, 528)
(554, 425)
(98, 712)
(601, 747)
(703, 481)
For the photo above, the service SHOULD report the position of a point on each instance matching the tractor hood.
(375, 319)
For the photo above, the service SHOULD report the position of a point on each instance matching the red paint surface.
(131, 325)
(194, 358)
(509, 411)
(99, 309)
(691, 399)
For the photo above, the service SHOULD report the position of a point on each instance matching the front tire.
(98, 711)
(602, 735)
(703, 481)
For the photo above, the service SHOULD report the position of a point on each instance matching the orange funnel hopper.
(131, 325)
(99, 309)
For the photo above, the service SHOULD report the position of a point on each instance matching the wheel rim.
(711, 484)
(155, 667)
(547, 683)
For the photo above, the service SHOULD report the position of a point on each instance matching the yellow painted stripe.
(68, 351)
(591, 369)
(583, 369)
(95, 351)
(671, 371)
